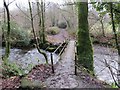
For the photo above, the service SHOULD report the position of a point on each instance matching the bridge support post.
(75, 63)
(75, 58)
(52, 63)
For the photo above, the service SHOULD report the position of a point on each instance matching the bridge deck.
(63, 77)
(64, 73)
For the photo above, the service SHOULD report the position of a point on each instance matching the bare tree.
(39, 16)
(102, 26)
(35, 36)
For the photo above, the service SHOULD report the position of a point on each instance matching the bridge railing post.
(52, 65)
(75, 63)
(75, 58)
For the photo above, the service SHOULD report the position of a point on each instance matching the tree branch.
(107, 65)
(22, 11)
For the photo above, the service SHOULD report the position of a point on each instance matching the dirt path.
(59, 38)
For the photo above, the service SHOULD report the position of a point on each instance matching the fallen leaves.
(40, 72)
(13, 82)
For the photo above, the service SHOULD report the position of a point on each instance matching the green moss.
(84, 46)
(25, 83)
(53, 30)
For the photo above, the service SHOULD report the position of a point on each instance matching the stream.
(101, 70)
(26, 59)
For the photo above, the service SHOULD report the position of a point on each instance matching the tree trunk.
(67, 21)
(84, 46)
(4, 16)
(35, 37)
(7, 49)
(39, 16)
(3, 32)
(116, 41)
(103, 31)
(43, 21)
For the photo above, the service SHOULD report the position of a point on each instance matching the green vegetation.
(11, 69)
(18, 35)
(26, 83)
(53, 30)
(114, 86)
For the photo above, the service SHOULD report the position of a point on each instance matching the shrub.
(62, 25)
(11, 69)
(18, 35)
(53, 30)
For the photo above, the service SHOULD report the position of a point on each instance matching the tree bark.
(102, 25)
(39, 16)
(84, 46)
(7, 49)
(3, 32)
(43, 21)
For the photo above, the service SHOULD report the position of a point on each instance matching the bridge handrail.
(66, 42)
(62, 50)
(58, 47)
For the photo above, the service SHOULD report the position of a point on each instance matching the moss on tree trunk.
(84, 46)
(7, 48)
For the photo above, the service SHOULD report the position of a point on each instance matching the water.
(27, 59)
(101, 70)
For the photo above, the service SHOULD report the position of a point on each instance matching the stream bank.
(100, 53)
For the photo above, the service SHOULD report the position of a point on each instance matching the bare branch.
(107, 65)
(11, 2)
(22, 11)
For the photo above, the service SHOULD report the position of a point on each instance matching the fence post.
(75, 58)
(75, 63)
(52, 63)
